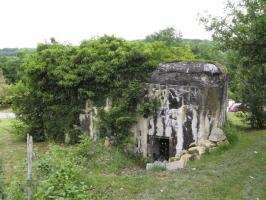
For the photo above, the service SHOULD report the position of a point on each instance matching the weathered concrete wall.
(87, 119)
(193, 100)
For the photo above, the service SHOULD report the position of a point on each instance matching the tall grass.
(232, 133)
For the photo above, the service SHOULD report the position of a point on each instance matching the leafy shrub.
(65, 182)
(59, 176)
(19, 128)
(88, 148)
(44, 167)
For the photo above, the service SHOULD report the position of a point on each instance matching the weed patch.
(232, 133)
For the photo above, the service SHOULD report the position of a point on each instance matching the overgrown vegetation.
(67, 177)
(61, 179)
(4, 91)
(11, 63)
(231, 133)
(58, 79)
(149, 106)
(91, 170)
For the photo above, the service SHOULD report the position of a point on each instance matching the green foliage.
(19, 128)
(95, 157)
(167, 46)
(64, 183)
(62, 173)
(4, 91)
(242, 30)
(16, 189)
(88, 148)
(253, 94)
(115, 123)
(59, 178)
(149, 107)
(167, 35)
(12, 67)
(44, 168)
(58, 79)
(15, 69)
(27, 107)
(207, 50)
(42, 99)
(231, 132)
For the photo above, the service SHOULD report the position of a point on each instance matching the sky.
(25, 23)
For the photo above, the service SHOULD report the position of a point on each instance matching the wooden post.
(29, 162)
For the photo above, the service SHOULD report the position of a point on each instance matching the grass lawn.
(13, 150)
(237, 172)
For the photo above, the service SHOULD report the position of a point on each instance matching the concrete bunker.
(193, 101)
(193, 98)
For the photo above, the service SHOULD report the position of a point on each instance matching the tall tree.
(168, 35)
(243, 30)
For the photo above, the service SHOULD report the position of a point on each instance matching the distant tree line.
(11, 61)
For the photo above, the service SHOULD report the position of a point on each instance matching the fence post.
(29, 165)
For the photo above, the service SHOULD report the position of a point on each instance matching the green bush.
(20, 129)
(88, 148)
(59, 176)
(44, 167)
(66, 182)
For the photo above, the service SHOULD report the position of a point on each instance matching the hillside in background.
(8, 51)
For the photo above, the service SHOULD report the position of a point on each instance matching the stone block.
(217, 135)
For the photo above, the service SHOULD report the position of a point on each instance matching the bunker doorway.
(160, 148)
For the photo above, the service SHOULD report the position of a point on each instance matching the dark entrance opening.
(159, 148)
